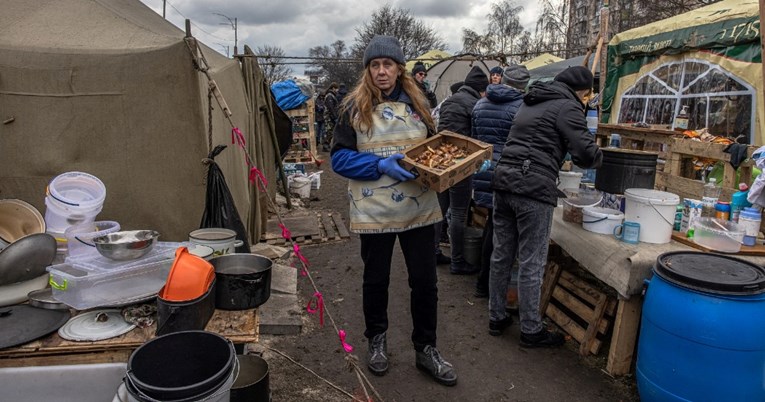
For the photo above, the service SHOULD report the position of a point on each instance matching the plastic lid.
(600, 212)
(656, 197)
(712, 180)
(750, 213)
(742, 186)
(95, 325)
(711, 273)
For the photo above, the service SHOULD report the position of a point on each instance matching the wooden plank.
(114, 356)
(593, 327)
(329, 226)
(585, 291)
(552, 273)
(582, 310)
(570, 326)
(758, 249)
(624, 336)
(341, 230)
(688, 188)
(706, 150)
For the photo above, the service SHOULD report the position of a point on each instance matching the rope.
(284, 355)
(209, 120)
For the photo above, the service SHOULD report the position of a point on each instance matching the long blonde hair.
(365, 96)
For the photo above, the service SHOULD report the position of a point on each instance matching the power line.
(192, 23)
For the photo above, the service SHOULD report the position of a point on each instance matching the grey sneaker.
(378, 355)
(431, 362)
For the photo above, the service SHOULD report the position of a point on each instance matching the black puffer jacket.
(456, 111)
(550, 123)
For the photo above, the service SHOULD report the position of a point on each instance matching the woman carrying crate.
(385, 114)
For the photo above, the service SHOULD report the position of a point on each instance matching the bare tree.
(504, 26)
(416, 38)
(335, 63)
(476, 43)
(271, 60)
(551, 34)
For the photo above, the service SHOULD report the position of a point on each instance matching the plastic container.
(654, 210)
(578, 199)
(62, 383)
(718, 235)
(569, 180)
(473, 243)
(711, 195)
(750, 220)
(301, 186)
(700, 336)
(79, 238)
(601, 220)
(189, 278)
(626, 168)
(73, 198)
(183, 366)
(738, 201)
(722, 210)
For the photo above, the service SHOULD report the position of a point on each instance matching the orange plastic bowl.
(190, 277)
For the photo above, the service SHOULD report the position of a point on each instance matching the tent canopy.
(541, 60)
(707, 60)
(428, 58)
(454, 69)
(549, 71)
(110, 88)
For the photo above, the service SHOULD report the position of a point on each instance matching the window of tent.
(715, 98)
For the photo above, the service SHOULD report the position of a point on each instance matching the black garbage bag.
(220, 210)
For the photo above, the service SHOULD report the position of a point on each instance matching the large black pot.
(251, 384)
(243, 281)
(176, 316)
(625, 168)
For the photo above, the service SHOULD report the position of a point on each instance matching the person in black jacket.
(419, 72)
(492, 120)
(331, 107)
(550, 123)
(456, 116)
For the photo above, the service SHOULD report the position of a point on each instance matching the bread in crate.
(441, 161)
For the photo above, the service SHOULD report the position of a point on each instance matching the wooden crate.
(580, 309)
(441, 179)
(303, 148)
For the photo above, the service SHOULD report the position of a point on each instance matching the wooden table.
(238, 326)
(623, 267)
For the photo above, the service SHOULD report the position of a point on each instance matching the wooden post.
(606, 37)
(624, 336)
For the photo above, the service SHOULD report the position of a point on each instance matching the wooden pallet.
(308, 228)
(580, 309)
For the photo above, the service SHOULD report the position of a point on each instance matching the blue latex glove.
(391, 167)
(484, 166)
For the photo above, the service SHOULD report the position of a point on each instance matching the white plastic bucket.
(601, 220)
(654, 210)
(79, 238)
(73, 198)
(569, 180)
(301, 186)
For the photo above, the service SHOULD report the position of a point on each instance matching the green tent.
(707, 60)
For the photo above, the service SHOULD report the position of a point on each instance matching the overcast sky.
(298, 25)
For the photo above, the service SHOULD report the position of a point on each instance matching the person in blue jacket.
(493, 117)
(385, 114)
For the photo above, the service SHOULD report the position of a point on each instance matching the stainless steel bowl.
(126, 245)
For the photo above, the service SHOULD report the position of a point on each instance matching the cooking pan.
(243, 281)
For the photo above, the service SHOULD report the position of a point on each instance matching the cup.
(628, 232)
(222, 241)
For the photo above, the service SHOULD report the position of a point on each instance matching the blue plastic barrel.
(702, 334)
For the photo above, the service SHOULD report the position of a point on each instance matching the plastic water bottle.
(750, 219)
(592, 125)
(738, 201)
(711, 195)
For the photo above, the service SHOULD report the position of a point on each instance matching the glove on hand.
(484, 166)
(391, 167)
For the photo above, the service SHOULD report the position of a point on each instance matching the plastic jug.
(750, 219)
(738, 201)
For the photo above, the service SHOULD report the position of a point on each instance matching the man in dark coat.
(492, 119)
(456, 116)
(331, 109)
(550, 123)
(419, 72)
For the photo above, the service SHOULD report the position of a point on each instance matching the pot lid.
(712, 273)
(43, 298)
(22, 324)
(26, 258)
(95, 325)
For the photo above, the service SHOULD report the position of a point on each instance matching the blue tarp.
(288, 94)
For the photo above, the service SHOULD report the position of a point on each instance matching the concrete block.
(280, 315)
(283, 279)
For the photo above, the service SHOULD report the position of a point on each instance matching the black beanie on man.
(456, 86)
(577, 78)
(418, 68)
(477, 79)
(384, 46)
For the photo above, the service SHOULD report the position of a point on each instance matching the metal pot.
(243, 281)
(251, 384)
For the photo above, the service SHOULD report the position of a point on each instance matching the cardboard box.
(442, 179)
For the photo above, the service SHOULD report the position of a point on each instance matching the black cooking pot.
(251, 384)
(243, 281)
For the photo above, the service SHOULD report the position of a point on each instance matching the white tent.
(454, 69)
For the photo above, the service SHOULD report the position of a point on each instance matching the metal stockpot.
(243, 281)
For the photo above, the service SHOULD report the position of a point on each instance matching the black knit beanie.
(418, 67)
(496, 70)
(577, 78)
(456, 86)
(477, 79)
(384, 46)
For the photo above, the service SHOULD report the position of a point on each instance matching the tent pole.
(606, 37)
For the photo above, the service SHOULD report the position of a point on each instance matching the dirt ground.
(489, 368)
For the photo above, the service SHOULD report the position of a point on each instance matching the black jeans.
(486, 249)
(377, 253)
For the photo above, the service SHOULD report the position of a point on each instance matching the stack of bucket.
(72, 198)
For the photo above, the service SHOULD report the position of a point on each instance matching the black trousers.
(377, 253)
